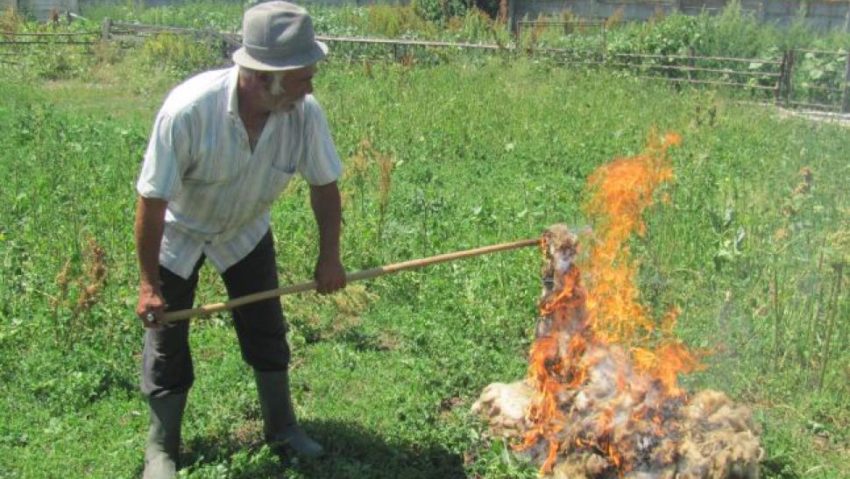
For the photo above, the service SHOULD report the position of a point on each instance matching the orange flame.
(620, 192)
(609, 310)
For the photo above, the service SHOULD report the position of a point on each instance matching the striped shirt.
(219, 192)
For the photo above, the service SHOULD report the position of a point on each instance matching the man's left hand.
(329, 275)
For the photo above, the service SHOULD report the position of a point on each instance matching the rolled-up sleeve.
(320, 164)
(166, 157)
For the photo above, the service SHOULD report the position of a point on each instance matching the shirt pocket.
(285, 165)
(277, 178)
(258, 193)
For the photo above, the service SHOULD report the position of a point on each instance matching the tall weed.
(181, 55)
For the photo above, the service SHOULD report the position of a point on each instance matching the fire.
(606, 311)
(620, 192)
(602, 397)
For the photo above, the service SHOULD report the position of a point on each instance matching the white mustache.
(276, 87)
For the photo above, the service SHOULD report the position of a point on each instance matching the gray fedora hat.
(278, 36)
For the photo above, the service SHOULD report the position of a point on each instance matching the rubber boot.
(163, 447)
(280, 425)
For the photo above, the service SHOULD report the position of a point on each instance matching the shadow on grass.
(351, 452)
(778, 468)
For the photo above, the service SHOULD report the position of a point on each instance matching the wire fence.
(798, 78)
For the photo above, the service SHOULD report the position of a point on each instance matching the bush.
(439, 11)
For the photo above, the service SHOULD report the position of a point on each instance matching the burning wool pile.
(601, 399)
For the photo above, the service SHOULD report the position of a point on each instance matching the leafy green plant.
(820, 75)
(439, 10)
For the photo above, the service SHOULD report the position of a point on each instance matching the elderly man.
(223, 147)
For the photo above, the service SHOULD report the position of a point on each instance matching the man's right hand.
(151, 307)
(150, 221)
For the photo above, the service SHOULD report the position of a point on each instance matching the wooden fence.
(12, 42)
(766, 79)
(49, 38)
(780, 77)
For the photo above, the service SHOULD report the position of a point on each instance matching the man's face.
(283, 89)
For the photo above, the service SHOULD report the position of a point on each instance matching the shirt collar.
(232, 97)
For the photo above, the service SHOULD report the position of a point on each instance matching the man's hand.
(150, 221)
(150, 307)
(329, 275)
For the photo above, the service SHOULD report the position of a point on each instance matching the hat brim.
(244, 59)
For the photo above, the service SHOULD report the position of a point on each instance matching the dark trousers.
(167, 360)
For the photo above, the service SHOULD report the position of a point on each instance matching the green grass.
(385, 372)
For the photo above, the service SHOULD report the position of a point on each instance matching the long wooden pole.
(208, 309)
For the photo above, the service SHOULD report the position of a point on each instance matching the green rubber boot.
(163, 447)
(280, 426)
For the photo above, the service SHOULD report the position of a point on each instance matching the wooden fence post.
(845, 92)
(518, 39)
(777, 92)
(786, 69)
(789, 73)
(104, 29)
(604, 43)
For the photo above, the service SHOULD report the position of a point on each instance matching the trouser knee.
(260, 326)
(167, 361)
(166, 358)
(262, 336)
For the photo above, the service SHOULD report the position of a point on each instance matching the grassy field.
(385, 372)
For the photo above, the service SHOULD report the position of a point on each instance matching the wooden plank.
(664, 57)
(825, 89)
(45, 42)
(697, 69)
(421, 43)
(687, 57)
(58, 34)
(845, 94)
(708, 82)
(234, 39)
(821, 106)
(819, 52)
(162, 28)
(106, 28)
